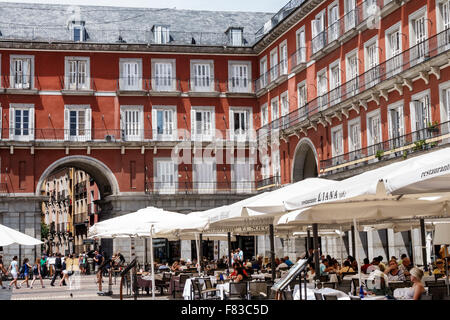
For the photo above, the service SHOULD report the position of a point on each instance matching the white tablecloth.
(310, 292)
(187, 291)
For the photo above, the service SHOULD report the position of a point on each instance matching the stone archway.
(305, 161)
(103, 176)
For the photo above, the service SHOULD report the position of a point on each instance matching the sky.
(217, 5)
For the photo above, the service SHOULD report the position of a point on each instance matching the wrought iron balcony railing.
(193, 187)
(407, 59)
(273, 181)
(429, 137)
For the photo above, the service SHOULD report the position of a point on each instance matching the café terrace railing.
(407, 59)
(396, 147)
(348, 21)
(193, 187)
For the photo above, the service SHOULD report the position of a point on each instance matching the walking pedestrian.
(26, 271)
(98, 259)
(37, 273)
(43, 264)
(58, 269)
(82, 262)
(67, 269)
(14, 270)
(2, 272)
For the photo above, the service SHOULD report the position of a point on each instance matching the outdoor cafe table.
(328, 291)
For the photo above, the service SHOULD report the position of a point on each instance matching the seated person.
(346, 268)
(416, 291)
(365, 265)
(257, 264)
(325, 268)
(405, 266)
(182, 266)
(288, 262)
(310, 275)
(282, 265)
(239, 274)
(373, 266)
(393, 272)
(175, 266)
(440, 267)
(164, 267)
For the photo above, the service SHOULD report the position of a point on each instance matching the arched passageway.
(305, 161)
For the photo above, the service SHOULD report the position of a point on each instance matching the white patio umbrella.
(139, 224)
(10, 236)
(428, 173)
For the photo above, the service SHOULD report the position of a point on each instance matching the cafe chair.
(345, 286)
(238, 290)
(318, 296)
(257, 290)
(426, 297)
(331, 285)
(438, 292)
(329, 297)
(202, 294)
(287, 295)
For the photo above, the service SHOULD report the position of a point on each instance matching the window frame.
(67, 60)
(123, 86)
(140, 123)
(13, 57)
(12, 120)
(164, 136)
(203, 136)
(197, 88)
(154, 85)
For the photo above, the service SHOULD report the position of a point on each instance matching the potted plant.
(379, 154)
(405, 154)
(433, 127)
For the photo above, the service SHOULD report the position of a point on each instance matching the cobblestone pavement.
(82, 288)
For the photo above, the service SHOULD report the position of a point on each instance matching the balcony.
(349, 25)
(192, 187)
(380, 78)
(163, 86)
(269, 80)
(298, 60)
(268, 183)
(203, 86)
(132, 86)
(20, 84)
(401, 146)
(240, 87)
(77, 87)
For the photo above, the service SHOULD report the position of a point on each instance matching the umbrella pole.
(356, 252)
(229, 251)
(342, 247)
(272, 252)
(316, 251)
(198, 253)
(424, 244)
(151, 262)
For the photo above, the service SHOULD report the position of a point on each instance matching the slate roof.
(51, 22)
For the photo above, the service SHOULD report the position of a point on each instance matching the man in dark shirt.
(58, 270)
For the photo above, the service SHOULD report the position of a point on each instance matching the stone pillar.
(22, 213)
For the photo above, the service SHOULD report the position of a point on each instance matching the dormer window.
(236, 36)
(78, 31)
(161, 33)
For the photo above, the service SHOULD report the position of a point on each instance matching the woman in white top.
(14, 270)
(416, 291)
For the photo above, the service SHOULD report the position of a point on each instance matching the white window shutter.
(66, 124)
(31, 114)
(11, 123)
(1, 122)
(88, 124)
(193, 128)
(448, 103)
(154, 124)
(122, 124)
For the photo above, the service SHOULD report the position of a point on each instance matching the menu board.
(293, 272)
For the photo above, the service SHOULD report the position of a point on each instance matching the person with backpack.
(58, 270)
(26, 270)
(37, 273)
